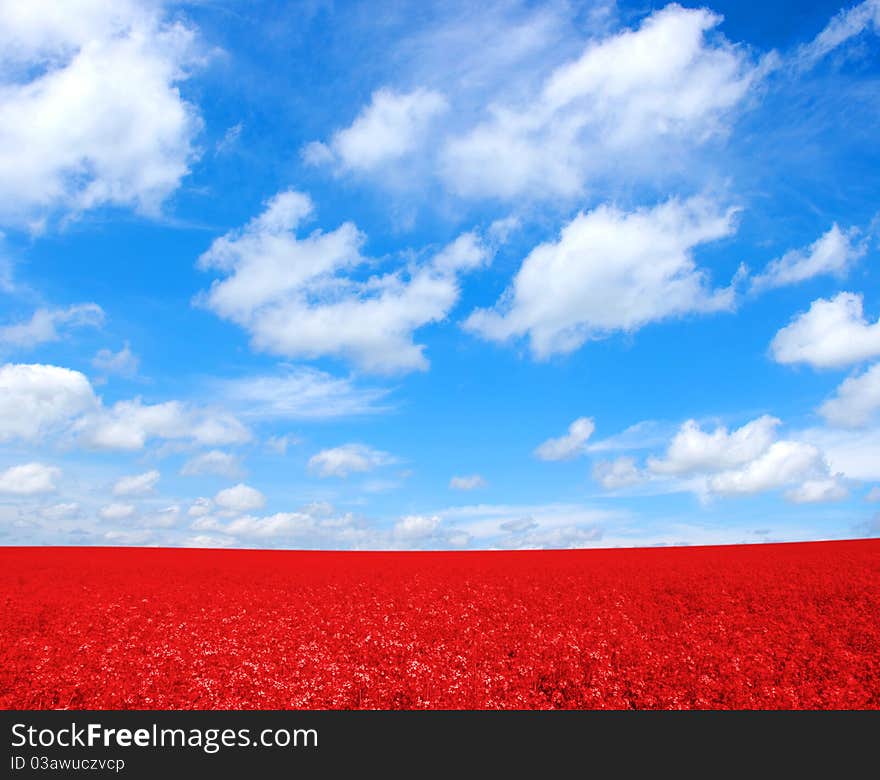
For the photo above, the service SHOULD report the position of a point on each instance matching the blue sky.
(417, 275)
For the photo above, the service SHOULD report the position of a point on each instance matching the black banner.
(269, 744)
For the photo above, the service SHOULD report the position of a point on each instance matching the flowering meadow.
(756, 626)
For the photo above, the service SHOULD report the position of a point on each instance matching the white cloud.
(465, 253)
(847, 24)
(664, 84)
(29, 479)
(124, 363)
(856, 401)
(313, 526)
(610, 271)
(296, 298)
(279, 444)
(117, 511)
(230, 139)
(129, 425)
(831, 334)
(301, 393)
(619, 473)
(784, 462)
(36, 400)
(217, 462)
(639, 436)
(870, 527)
(529, 526)
(571, 444)
(747, 460)
(137, 484)
(200, 507)
(129, 538)
(693, 450)
(61, 511)
(90, 111)
(416, 526)
(818, 491)
(240, 498)
(391, 126)
(162, 518)
(320, 526)
(208, 541)
(854, 453)
(519, 526)
(347, 459)
(832, 253)
(7, 280)
(279, 524)
(45, 325)
(471, 482)
(873, 494)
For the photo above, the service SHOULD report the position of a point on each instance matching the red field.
(762, 626)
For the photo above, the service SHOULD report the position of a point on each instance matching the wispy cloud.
(302, 393)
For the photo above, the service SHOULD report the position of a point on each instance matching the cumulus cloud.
(41, 400)
(129, 425)
(90, 110)
(300, 297)
(47, 325)
(873, 494)
(123, 363)
(56, 512)
(280, 524)
(200, 507)
(117, 511)
(619, 473)
(29, 479)
(856, 401)
(208, 541)
(668, 82)
(818, 491)
(571, 444)
(527, 526)
(468, 251)
(391, 126)
(784, 462)
(216, 462)
(137, 484)
(610, 271)
(851, 452)
(747, 460)
(279, 444)
(833, 253)
(128, 538)
(162, 518)
(693, 450)
(832, 333)
(470, 482)
(347, 459)
(871, 527)
(240, 498)
(321, 526)
(416, 526)
(36, 400)
(519, 526)
(310, 527)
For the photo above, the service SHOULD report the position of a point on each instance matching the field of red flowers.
(758, 626)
